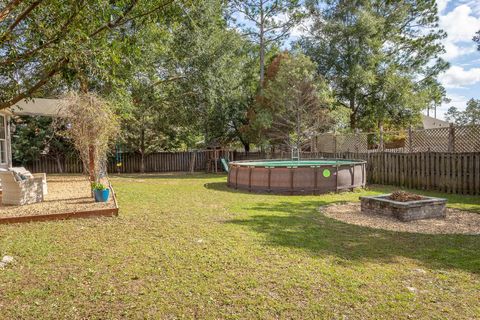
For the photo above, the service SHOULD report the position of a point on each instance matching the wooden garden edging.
(104, 212)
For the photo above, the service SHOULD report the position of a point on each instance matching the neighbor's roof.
(431, 123)
(37, 107)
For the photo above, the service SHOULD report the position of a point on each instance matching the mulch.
(456, 222)
(65, 194)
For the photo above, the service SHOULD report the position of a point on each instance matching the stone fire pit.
(426, 208)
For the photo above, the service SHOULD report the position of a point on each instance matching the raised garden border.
(426, 208)
(105, 212)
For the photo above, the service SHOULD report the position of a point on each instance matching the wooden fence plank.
(477, 173)
(448, 172)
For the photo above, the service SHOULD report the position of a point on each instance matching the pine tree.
(382, 58)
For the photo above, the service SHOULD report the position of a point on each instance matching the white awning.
(37, 107)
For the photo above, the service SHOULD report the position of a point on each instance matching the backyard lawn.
(188, 247)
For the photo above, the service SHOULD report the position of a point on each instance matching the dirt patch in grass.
(65, 194)
(456, 222)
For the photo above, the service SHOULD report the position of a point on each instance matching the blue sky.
(460, 19)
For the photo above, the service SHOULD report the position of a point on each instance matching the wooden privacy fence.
(202, 160)
(443, 171)
(130, 163)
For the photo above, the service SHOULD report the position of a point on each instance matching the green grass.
(189, 247)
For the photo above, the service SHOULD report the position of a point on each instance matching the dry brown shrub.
(404, 196)
(93, 123)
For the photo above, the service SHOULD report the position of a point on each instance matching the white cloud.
(456, 100)
(458, 77)
(474, 4)
(442, 4)
(460, 25)
(453, 50)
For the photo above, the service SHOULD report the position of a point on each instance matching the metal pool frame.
(302, 179)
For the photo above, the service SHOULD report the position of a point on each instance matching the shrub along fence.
(443, 171)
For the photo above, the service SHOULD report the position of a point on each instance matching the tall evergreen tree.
(267, 22)
(294, 105)
(382, 58)
(476, 38)
(471, 114)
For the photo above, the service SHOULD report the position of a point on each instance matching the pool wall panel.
(306, 179)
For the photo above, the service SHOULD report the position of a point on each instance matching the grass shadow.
(300, 225)
(223, 187)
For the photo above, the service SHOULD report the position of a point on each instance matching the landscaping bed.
(65, 194)
(404, 206)
(455, 222)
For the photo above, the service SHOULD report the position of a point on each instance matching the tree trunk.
(91, 164)
(353, 121)
(381, 145)
(353, 115)
(8, 8)
(262, 45)
(142, 162)
(246, 147)
(142, 151)
(59, 164)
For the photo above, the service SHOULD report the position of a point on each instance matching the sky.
(460, 19)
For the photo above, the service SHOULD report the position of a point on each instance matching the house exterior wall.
(432, 123)
(8, 141)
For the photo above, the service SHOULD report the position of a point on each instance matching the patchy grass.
(189, 247)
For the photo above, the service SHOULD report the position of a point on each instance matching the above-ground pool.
(297, 177)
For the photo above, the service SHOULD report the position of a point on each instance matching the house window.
(3, 141)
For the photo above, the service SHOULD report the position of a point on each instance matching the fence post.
(410, 148)
(451, 138)
(334, 143)
(381, 146)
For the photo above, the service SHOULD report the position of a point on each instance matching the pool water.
(300, 163)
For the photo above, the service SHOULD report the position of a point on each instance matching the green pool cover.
(300, 163)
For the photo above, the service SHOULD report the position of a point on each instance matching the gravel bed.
(65, 194)
(456, 222)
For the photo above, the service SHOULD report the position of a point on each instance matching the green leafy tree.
(43, 42)
(191, 84)
(471, 114)
(216, 66)
(149, 126)
(36, 136)
(295, 105)
(381, 58)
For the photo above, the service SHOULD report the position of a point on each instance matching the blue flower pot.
(101, 195)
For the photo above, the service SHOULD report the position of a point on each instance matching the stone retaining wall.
(405, 211)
